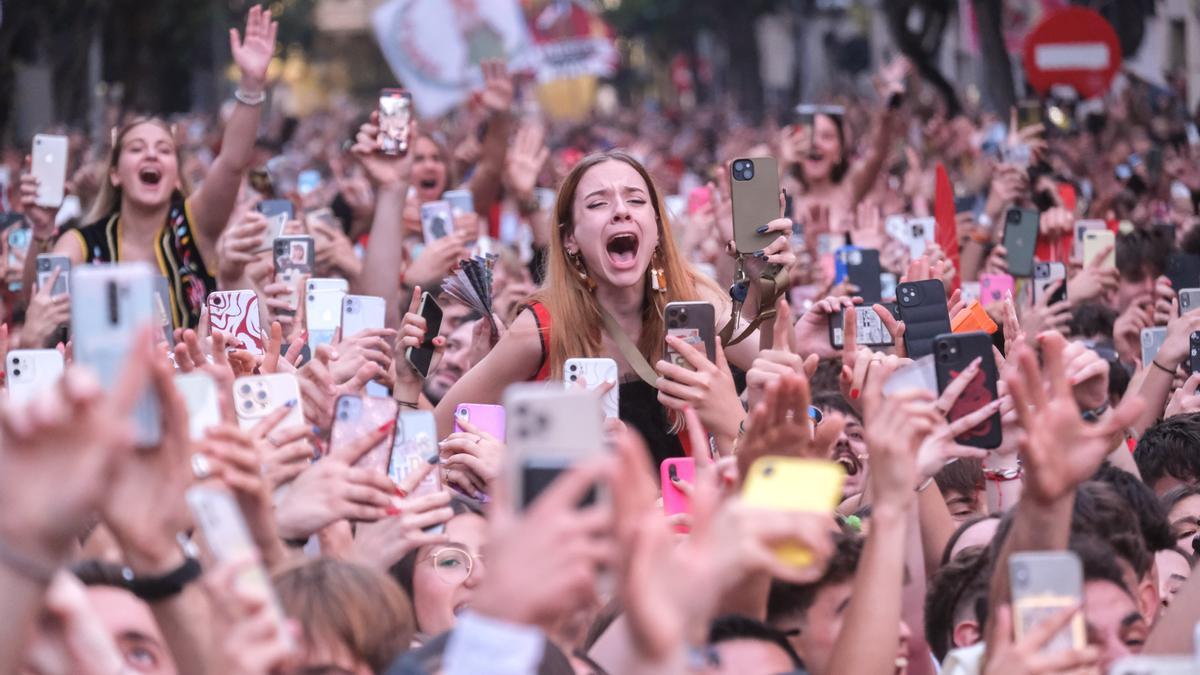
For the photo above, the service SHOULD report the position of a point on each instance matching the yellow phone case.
(793, 484)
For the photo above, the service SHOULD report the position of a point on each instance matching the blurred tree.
(670, 27)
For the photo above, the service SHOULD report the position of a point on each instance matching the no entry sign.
(1075, 47)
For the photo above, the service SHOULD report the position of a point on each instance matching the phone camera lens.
(245, 389)
(17, 373)
(574, 377)
(262, 395)
(574, 367)
(247, 404)
(343, 416)
(769, 470)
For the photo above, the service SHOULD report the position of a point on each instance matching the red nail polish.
(387, 426)
(853, 394)
(393, 511)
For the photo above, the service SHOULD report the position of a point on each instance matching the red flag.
(947, 225)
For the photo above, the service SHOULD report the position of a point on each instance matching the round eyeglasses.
(453, 565)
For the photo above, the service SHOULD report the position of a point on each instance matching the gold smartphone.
(754, 189)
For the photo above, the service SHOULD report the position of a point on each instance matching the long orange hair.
(574, 312)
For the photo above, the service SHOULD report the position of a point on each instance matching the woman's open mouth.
(622, 249)
(427, 183)
(150, 175)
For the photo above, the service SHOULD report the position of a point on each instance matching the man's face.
(750, 656)
(814, 634)
(1129, 290)
(1114, 623)
(963, 506)
(455, 361)
(133, 629)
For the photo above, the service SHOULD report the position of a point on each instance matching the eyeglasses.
(453, 565)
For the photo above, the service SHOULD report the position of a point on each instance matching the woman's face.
(1185, 521)
(826, 150)
(428, 171)
(440, 591)
(147, 170)
(616, 226)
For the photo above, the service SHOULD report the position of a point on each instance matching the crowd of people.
(684, 534)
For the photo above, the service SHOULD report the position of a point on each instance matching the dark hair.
(828, 377)
(964, 475)
(956, 588)
(1101, 511)
(1099, 560)
(1093, 320)
(1140, 252)
(1151, 516)
(1168, 448)
(94, 572)
(737, 627)
(1175, 495)
(789, 600)
(842, 167)
(962, 528)
(403, 570)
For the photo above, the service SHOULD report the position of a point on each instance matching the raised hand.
(497, 95)
(384, 542)
(253, 54)
(708, 387)
(412, 334)
(472, 458)
(812, 330)
(41, 218)
(46, 313)
(524, 161)
(249, 638)
(1060, 450)
(383, 171)
(781, 425)
(239, 246)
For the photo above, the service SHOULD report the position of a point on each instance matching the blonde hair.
(574, 312)
(108, 199)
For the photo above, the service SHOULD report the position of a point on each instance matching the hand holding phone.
(421, 356)
(754, 190)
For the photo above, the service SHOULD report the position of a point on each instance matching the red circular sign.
(1075, 47)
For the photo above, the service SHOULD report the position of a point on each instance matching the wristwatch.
(165, 586)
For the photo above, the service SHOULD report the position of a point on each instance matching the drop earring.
(658, 278)
(577, 262)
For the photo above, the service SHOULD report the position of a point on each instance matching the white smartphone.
(461, 201)
(415, 445)
(111, 303)
(30, 371)
(549, 430)
(362, 312)
(1152, 341)
(199, 393)
(437, 220)
(255, 396)
(1044, 583)
(595, 372)
(323, 311)
(46, 264)
(49, 165)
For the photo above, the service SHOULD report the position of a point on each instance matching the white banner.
(434, 46)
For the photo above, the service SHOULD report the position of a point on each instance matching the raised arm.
(213, 202)
(497, 97)
(883, 131)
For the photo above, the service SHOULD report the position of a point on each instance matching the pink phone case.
(235, 313)
(486, 418)
(994, 287)
(674, 501)
(357, 416)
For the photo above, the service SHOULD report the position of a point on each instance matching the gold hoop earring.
(658, 277)
(581, 270)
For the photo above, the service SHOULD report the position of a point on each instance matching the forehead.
(425, 146)
(147, 132)
(1188, 506)
(609, 175)
(979, 534)
(1106, 605)
(122, 612)
(469, 529)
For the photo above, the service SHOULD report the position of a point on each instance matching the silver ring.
(201, 467)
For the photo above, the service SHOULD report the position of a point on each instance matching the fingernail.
(316, 430)
(393, 510)
(759, 253)
(435, 459)
(387, 426)
(853, 393)
(762, 230)
(290, 403)
(674, 479)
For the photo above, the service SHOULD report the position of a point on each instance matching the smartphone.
(870, 329)
(275, 207)
(199, 394)
(360, 313)
(1189, 300)
(1194, 353)
(1045, 276)
(1152, 341)
(358, 416)
(919, 233)
(486, 418)
(1029, 113)
(1183, 270)
(46, 264)
(1081, 228)
(461, 201)
(256, 396)
(395, 121)
(111, 304)
(1095, 241)
(1020, 240)
(295, 257)
(994, 287)
(551, 429)
(674, 501)
(952, 354)
(236, 313)
(18, 236)
(694, 323)
(922, 308)
(863, 270)
(437, 220)
(754, 190)
(595, 372)
(49, 165)
(421, 356)
(1044, 583)
(793, 484)
(162, 300)
(323, 311)
(31, 371)
(920, 375)
(414, 445)
(228, 538)
(1144, 664)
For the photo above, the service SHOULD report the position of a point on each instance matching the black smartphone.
(922, 308)
(421, 356)
(1194, 353)
(952, 354)
(1183, 270)
(871, 331)
(1020, 240)
(863, 270)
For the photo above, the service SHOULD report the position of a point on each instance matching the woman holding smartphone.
(612, 242)
(143, 211)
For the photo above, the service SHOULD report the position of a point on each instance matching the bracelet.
(28, 566)
(1003, 475)
(1162, 367)
(925, 484)
(249, 99)
(151, 589)
(406, 404)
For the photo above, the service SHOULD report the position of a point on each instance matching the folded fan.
(471, 284)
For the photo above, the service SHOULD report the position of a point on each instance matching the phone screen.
(421, 357)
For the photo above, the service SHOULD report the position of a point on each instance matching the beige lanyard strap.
(629, 350)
